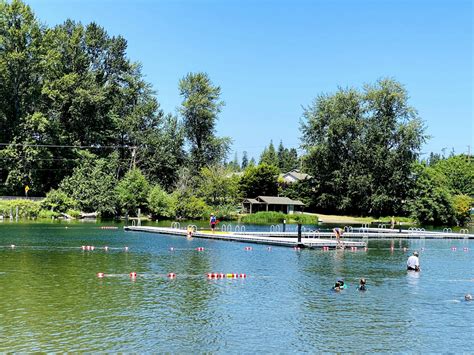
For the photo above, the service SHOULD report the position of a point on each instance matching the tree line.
(79, 123)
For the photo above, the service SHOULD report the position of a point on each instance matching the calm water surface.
(51, 299)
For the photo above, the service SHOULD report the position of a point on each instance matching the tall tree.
(245, 160)
(259, 180)
(269, 156)
(200, 107)
(360, 147)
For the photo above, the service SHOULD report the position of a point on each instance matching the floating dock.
(289, 239)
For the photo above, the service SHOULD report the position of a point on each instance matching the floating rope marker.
(12, 246)
(171, 249)
(465, 249)
(133, 275)
(353, 248)
(171, 275)
(100, 275)
(106, 248)
(200, 249)
(243, 276)
(297, 248)
(269, 248)
(248, 248)
(404, 249)
(126, 248)
(454, 248)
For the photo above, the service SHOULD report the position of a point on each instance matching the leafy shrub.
(462, 207)
(160, 203)
(58, 201)
(190, 207)
(26, 208)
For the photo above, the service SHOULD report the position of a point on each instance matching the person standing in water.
(413, 263)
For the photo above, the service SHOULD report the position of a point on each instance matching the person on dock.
(212, 222)
(362, 286)
(413, 263)
(338, 232)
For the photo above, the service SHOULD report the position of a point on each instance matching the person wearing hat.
(413, 263)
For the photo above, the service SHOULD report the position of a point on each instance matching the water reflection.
(53, 301)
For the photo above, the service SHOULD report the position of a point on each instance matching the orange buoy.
(100, 275)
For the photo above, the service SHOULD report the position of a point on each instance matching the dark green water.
(51, 299)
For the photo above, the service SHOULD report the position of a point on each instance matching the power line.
(68, 146)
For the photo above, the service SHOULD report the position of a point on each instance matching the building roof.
(296, 175)
(275, 200)
(252, 201)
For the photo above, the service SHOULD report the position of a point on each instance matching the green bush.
(26, 208)
(278, 217)
(462, 208)
(58, 201)
(303, 218)
(190, 207)
(47, 214)
(160, 203)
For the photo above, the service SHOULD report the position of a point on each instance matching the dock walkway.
(272, 238)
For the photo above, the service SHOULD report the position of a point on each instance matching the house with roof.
(271, 203)
(294, 176)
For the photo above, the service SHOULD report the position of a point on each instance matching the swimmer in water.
(468, 297)
(337, 287)
(362, 285)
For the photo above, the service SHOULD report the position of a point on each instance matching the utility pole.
(134, 155)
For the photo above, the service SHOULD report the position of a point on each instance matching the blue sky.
(273, 57)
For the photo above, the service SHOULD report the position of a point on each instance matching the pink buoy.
(200, 249)
(133, 275)
(100, 275)
(171, 275)
(248, 248)
(353, 248)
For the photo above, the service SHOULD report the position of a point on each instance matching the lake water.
(51, 299)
